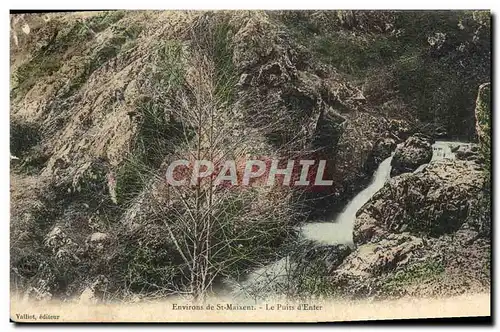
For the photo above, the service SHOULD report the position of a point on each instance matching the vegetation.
(402, 60)
(483, 116)
(63, 41)
(113, 218)
(200, 235)
(413, 275)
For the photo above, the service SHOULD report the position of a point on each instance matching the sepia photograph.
(250, 165)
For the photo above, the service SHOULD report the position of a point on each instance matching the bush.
(23, 137)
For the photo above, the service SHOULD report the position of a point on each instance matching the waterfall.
(340, 230)
(446, 149)
(273, 276)
(443, 150)
(269, 278)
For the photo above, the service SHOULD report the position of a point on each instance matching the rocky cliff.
(402, 232)
(101, 102)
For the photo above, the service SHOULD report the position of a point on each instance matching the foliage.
(483, 118)
(413, 274)
(406, 54)
(184, 240)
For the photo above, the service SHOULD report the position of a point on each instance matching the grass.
(212, 38)
(69, 39)
(99, 56)
(413, 274)
(225, 71)
(246, 226)
(131, 178)
(354, 55)
(484, 113)
(158, 132)
(145, 263)
(314, 281)
(405, 56)
(101, 21)
(239, 236)
(245, 237)
(25, 139)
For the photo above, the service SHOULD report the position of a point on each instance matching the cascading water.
(340, 231)
(446, 149)
(273, 276)
(443, 150)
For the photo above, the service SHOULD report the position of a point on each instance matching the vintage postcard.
(250, 166)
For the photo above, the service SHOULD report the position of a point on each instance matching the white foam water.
(340, 231)
(270, 278)
(446, 149)
(443, 150)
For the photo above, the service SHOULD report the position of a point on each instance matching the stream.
(274, 278)
(340, 230)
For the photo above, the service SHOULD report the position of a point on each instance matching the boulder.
(400, 128)
(433, 202)
(361, 272)
(331, 255)
(61, 245)
(419, 235)
(374, 258)
(383, 149)
(468, 152)
(415, 151)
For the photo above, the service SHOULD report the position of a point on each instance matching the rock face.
(468, 152)
(332, 256)
(419, 235)
(432, 202)
(383, 149)
(280, 95)
(372, 259)
(415, 151)
(483, 115)
(84, 89)
(97, 242)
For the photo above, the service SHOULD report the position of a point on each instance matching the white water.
(270, 279)
(340, 231)
(267, 279)
(443, 150)
(274, 276)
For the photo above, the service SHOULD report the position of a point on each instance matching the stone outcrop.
(468, 152)
(369, 261)
(432, 202)
(415, 151)
(420, 235)
(383, 149)
(483, 116)
(373, 258)
(97, 242)
(332, 256)
(91, 81)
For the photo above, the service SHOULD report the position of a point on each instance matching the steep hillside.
(102, 102)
